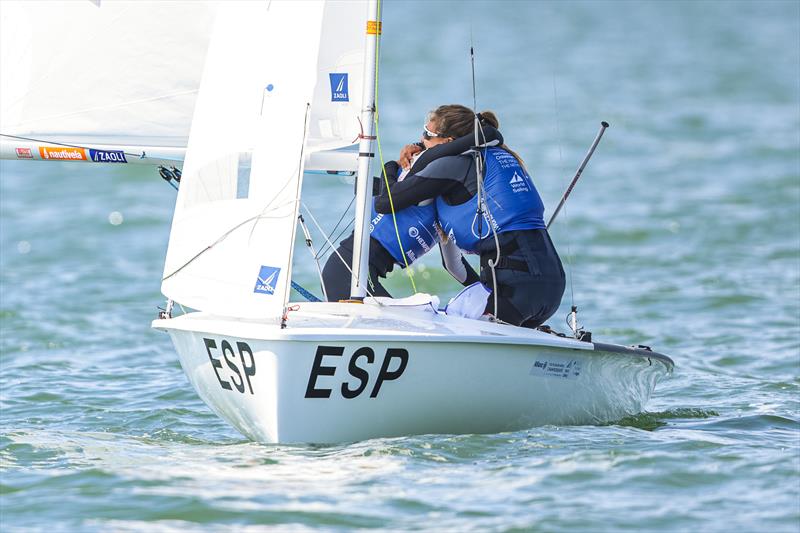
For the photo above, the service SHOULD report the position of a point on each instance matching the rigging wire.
(408, 269)
(563, 172)
(344, 213)
(333, 247)
(479, 159)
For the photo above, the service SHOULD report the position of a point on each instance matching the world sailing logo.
(267, 280)
(518, 183)
(339, 92)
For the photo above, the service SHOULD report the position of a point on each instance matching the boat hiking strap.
(305, 293)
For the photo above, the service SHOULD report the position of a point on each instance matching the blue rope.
(304, 293)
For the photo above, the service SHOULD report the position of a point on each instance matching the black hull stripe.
(632, 351)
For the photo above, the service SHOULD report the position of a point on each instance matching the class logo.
(339, 91)
(62, 153)
(267, 280)
(24, 153)
(107, 156)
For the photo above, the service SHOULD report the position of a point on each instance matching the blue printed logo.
(339, 92)
(267, 280)
(107, 156)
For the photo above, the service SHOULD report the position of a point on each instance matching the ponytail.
(457, 121)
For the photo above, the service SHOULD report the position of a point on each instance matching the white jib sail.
(116, 74)
(233, 230)
(111, 81)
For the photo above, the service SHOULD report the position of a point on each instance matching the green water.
(683, 234)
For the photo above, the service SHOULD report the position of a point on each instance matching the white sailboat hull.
(348, 372)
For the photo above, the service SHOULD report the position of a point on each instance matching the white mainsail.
(122, 75)
(233, 229)
(116, 82)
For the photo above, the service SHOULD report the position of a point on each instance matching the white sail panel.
(337, 95)
(81, 72)
(233, 229)
(121, 78)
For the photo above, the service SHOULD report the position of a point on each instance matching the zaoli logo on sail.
(107, 156)
(339, 92)
(267, 280)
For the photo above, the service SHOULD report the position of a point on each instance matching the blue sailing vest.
(416, 226)
(511, 203)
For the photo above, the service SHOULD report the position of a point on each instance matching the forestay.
(116, 82)
(233, 229)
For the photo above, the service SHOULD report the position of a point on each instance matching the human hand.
(407, 153)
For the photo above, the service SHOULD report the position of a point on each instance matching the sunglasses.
(428, 134)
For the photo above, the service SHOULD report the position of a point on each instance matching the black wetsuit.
(530, 277)
(336, 274)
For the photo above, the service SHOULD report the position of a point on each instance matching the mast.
(359, 278)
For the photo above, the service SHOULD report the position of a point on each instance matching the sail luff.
(359, 279)
(232, 233)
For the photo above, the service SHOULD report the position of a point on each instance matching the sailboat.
(281, 371)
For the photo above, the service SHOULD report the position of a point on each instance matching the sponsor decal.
(267, 280)
(107, 156)
(24, 153)
(62, 153)
(339, 92)
(518, 183)
(556, 367)
(361, 366)
(237, 371)
(413, 232)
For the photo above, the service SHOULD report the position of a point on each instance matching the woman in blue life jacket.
(416, 227)
(528, 279)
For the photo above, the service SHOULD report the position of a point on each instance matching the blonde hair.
(455, 120)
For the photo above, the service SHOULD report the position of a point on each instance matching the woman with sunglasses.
(416, 225)
(518, 260)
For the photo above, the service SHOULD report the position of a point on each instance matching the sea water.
(683, 234)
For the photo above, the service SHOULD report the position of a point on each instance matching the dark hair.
(455, 120)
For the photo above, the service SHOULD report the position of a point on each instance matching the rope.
(383, 169)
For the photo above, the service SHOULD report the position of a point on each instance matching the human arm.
(411, 191)
(456, 264)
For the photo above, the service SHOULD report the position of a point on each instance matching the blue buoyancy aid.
(511, 203)
(416, 225)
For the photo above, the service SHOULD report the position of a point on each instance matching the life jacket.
(417, 229)
(416, 224)
(511, 203)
